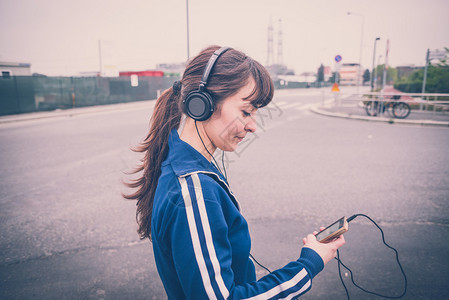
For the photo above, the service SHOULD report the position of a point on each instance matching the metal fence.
(421, 101)
(390, 105)
(22, 94)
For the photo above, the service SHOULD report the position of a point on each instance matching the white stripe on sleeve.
(208, 235)
(195, 239)
(282, 287)
(305, 287)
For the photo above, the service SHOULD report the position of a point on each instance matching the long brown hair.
(230, 73)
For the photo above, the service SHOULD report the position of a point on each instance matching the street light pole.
(374, 58)
(375, 70)
(361, 48)
(188, 38)
(100, 56)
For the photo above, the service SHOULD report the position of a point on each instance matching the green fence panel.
(16, 95)
(20, 94)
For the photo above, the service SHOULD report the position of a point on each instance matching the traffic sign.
(338, 58)
(335, 88)
(437, 55)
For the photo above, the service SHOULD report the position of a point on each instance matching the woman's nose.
(251, 125)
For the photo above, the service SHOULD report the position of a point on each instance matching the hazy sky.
(60, 37)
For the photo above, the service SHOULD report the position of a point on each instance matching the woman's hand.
(327, 251)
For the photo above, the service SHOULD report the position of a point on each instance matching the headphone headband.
(210, 65)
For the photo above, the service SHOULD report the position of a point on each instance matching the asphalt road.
(68, 234)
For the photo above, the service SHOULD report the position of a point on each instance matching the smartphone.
(332, 231)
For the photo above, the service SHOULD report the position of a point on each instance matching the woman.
(200, 239)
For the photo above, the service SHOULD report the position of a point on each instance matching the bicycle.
(399, 110)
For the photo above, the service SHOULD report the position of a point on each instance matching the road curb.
(319, 110)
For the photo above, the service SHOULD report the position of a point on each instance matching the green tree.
(320, 75)
(366, 76)
(392, 75)
(437, 80)
(332, 78)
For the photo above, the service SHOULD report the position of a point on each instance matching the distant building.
(8, 69)
(89, 74)
(308, 77)
(405, 71)
(172, 69)
(304, 80)
(348, 74)
(149, 73)
(276, 70)
(327, 73)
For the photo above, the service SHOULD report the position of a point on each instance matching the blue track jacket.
(201, 240)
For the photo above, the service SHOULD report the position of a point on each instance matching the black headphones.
(199, 104)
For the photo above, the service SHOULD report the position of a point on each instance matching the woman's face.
(229, 124)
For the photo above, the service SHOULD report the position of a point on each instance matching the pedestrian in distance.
(185, 206)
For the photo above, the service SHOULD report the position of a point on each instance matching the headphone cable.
(352, 277)
(226, 177)
(260, 265)
(216, 163)
(224, 167)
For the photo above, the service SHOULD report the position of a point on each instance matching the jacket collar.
(186, 160)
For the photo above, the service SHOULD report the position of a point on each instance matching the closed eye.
(246, 114)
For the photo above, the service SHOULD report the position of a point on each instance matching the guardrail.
(426, 101)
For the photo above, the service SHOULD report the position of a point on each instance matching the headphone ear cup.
(199, 105)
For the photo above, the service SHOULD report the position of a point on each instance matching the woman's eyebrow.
(248, 105)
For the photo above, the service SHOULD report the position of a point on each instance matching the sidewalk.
(349, 107)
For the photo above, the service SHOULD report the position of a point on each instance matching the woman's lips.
(239, 138)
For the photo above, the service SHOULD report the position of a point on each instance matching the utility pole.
(374, 58)
(375, 70)
(423, 90)
(280, 58)
(270, 44)
(384, 79)
(188, 38)
(101, 62)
